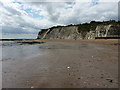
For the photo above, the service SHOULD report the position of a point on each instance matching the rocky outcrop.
(107, 31)
(78, 32)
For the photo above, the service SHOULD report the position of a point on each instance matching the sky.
(25, 18)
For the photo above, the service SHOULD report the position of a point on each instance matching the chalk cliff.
(108, 31)
(81, 31)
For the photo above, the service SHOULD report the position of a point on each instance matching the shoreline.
(57, 39)
(99, 41)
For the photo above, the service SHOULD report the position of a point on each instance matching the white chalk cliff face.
(68, 32)
(72, 32)
(108, 31)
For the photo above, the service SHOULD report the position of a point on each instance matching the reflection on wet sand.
(61, 65)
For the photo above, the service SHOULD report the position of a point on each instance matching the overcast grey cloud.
(23, 17)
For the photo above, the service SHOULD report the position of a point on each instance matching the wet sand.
(66, 64)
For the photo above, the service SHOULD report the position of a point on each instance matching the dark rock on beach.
(30, 42)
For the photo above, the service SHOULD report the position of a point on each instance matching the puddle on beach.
(12, 50)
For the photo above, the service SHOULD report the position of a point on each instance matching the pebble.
(68, 67)
(110, 80)
(105, 85)
(97, 84)
(71, 84)
(32, 87)
(81, 77)
(101, 77)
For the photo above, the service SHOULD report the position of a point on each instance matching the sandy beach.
(64, 64)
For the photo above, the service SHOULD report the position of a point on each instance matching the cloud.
(78, 12)
(29, 17)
